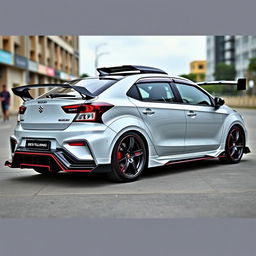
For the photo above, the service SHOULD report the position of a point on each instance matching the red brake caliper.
(119, 155)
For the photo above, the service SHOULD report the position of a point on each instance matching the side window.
(156, 92)
(191, 95)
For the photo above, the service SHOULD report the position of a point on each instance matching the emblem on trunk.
(41, 109)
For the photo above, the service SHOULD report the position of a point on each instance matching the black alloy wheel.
(235, 144)
(129, 158)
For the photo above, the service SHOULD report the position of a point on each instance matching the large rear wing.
(23, 91)
(240, 83)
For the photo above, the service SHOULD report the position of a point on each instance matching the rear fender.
(120, 127)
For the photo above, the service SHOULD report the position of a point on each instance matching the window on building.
(6, 43)
(32, 46)
(40, 58)
(245, 56)
(254, 40)
(254, 53)
(237, 42)
(245, 39)
(16, 49)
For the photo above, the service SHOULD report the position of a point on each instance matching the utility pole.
(98, 55)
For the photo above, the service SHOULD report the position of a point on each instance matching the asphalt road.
(199, 189)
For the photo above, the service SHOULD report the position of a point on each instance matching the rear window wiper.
(59, 95)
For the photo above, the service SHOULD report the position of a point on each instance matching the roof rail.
(127, 70)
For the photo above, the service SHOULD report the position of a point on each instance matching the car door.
(163, 116)
(204, 121)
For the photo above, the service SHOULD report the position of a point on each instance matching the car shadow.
(92, 180)
(177, 168)
(65, 179)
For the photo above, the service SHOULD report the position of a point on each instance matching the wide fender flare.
(231, 120)
(136, 125)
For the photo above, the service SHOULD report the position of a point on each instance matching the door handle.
(191, 114)
(148, 111)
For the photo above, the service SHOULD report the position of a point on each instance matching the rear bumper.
(97, 137)
(56, 161)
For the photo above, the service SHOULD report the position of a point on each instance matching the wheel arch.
(149, 148)
(236, 123)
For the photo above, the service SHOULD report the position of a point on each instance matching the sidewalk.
(8, 124)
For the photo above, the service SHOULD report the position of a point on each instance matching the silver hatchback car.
(128, 119)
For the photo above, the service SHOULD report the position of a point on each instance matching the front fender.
(232, 119)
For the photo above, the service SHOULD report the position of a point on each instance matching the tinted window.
(94, 86)
(156, 92)
(192, 95)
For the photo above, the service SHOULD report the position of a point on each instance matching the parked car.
(126, 120)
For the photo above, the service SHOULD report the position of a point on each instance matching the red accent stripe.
(55, 159)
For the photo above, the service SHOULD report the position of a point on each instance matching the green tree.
(84, 75)
(252, 65)
(251, 74)
(224, 71)
(202, 77)
(190, 76)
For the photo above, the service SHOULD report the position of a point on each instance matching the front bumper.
(55, 161)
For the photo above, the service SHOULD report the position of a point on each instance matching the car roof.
(127, 71)
(137, 76)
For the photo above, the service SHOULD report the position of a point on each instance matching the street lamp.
(98, 55)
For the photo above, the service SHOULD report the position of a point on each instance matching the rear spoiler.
(240, 83)
(23, 91)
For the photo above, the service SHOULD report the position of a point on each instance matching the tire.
(234, 147)
(129, 158)
(44, 171)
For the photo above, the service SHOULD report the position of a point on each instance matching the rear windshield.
(94, 86)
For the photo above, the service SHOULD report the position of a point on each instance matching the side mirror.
(218, 102)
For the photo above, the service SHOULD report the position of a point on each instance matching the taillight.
(77, 143)
(88, 112)
(22, 109)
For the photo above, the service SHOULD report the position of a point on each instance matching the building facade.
(237, 50)
(198, 67)
(37, 59)
(245, 49)
(220, 49)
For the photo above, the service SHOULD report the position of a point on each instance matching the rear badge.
(63, 120)
(41, 109)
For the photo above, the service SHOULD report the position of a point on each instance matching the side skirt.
(193, 159)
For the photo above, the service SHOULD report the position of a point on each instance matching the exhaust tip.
(247, 150)
(8, 163)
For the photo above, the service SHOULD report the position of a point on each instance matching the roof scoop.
(127, 70)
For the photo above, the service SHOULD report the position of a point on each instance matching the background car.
(128, 119)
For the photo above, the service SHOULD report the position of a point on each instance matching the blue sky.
(170, 53)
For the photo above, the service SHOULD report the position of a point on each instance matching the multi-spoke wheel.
(235, 144)
(129, 158)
